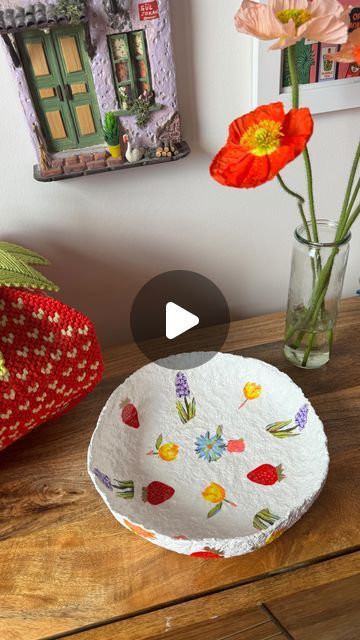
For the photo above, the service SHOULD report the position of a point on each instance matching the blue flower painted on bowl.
(210, 448)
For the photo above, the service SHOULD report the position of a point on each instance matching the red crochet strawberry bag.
(53, 358)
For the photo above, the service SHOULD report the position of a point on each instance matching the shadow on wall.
(102, 288)
(184, 52)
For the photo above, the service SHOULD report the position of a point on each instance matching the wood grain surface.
(65, 562)
(330, 612)
(231, 605)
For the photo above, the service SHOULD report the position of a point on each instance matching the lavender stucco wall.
(162, 65)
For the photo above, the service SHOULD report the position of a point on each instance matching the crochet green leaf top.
(16, 269)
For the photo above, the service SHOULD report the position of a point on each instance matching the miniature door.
(58, 72)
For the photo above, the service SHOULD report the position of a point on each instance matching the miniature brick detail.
(96, 164)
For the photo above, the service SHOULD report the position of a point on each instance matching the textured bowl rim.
(256, 539)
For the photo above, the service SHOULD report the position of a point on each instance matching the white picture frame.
(333, 95)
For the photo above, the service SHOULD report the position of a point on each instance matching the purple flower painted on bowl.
(104, 479)
(302, 417)
(182, 386)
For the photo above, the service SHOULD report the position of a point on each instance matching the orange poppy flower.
(260, 144)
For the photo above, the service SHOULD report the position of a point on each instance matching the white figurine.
(133, 154)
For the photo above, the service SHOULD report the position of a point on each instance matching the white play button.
(178, 320)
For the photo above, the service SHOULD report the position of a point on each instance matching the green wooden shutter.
(79, 87)
(46, 87)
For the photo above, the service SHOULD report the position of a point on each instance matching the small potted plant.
(111, 132)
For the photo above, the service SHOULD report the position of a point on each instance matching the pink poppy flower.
(288, 21)
(236, 446)
(350, 52)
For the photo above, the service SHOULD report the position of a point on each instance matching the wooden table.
(67, 566)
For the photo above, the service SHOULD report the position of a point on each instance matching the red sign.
(149, 10)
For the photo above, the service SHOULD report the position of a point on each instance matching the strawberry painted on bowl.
(212, 462)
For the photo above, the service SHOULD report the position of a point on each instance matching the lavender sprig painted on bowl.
(301, 417)
(182, 385)
(104, 479)
(282, 429)
(187, 408)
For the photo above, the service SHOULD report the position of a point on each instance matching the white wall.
(107, 235)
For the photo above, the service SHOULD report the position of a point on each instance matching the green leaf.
(192, 409)
(284, 434)
(182, 413)
(214, 510)
(276, 426)
(158, 442)
(16, 273)
(25, 255)
(264, 519)
(219, 431)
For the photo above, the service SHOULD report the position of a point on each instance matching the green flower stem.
(351, 221)
(320, 289)
(294, 76)
(354, 196)
(308, 349)
(347, 219)
(323, 283)
(346, 209)
(295, 103)
(301, 203)
(345, 226)
(309, 175)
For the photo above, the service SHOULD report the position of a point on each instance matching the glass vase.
(316, 284)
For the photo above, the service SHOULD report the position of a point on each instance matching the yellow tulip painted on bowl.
(214, 493)
(251, 391)
(168, 451)
(217, 495)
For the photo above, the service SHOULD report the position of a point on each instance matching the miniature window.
(130, 63)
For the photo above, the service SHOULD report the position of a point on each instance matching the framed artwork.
(325, 85)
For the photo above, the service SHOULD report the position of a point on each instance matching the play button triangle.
(178, 320)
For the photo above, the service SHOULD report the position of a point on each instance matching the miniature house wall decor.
(74, 62)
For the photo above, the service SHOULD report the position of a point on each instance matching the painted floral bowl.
(214, 461)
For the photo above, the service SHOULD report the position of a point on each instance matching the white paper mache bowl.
(214, 461)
